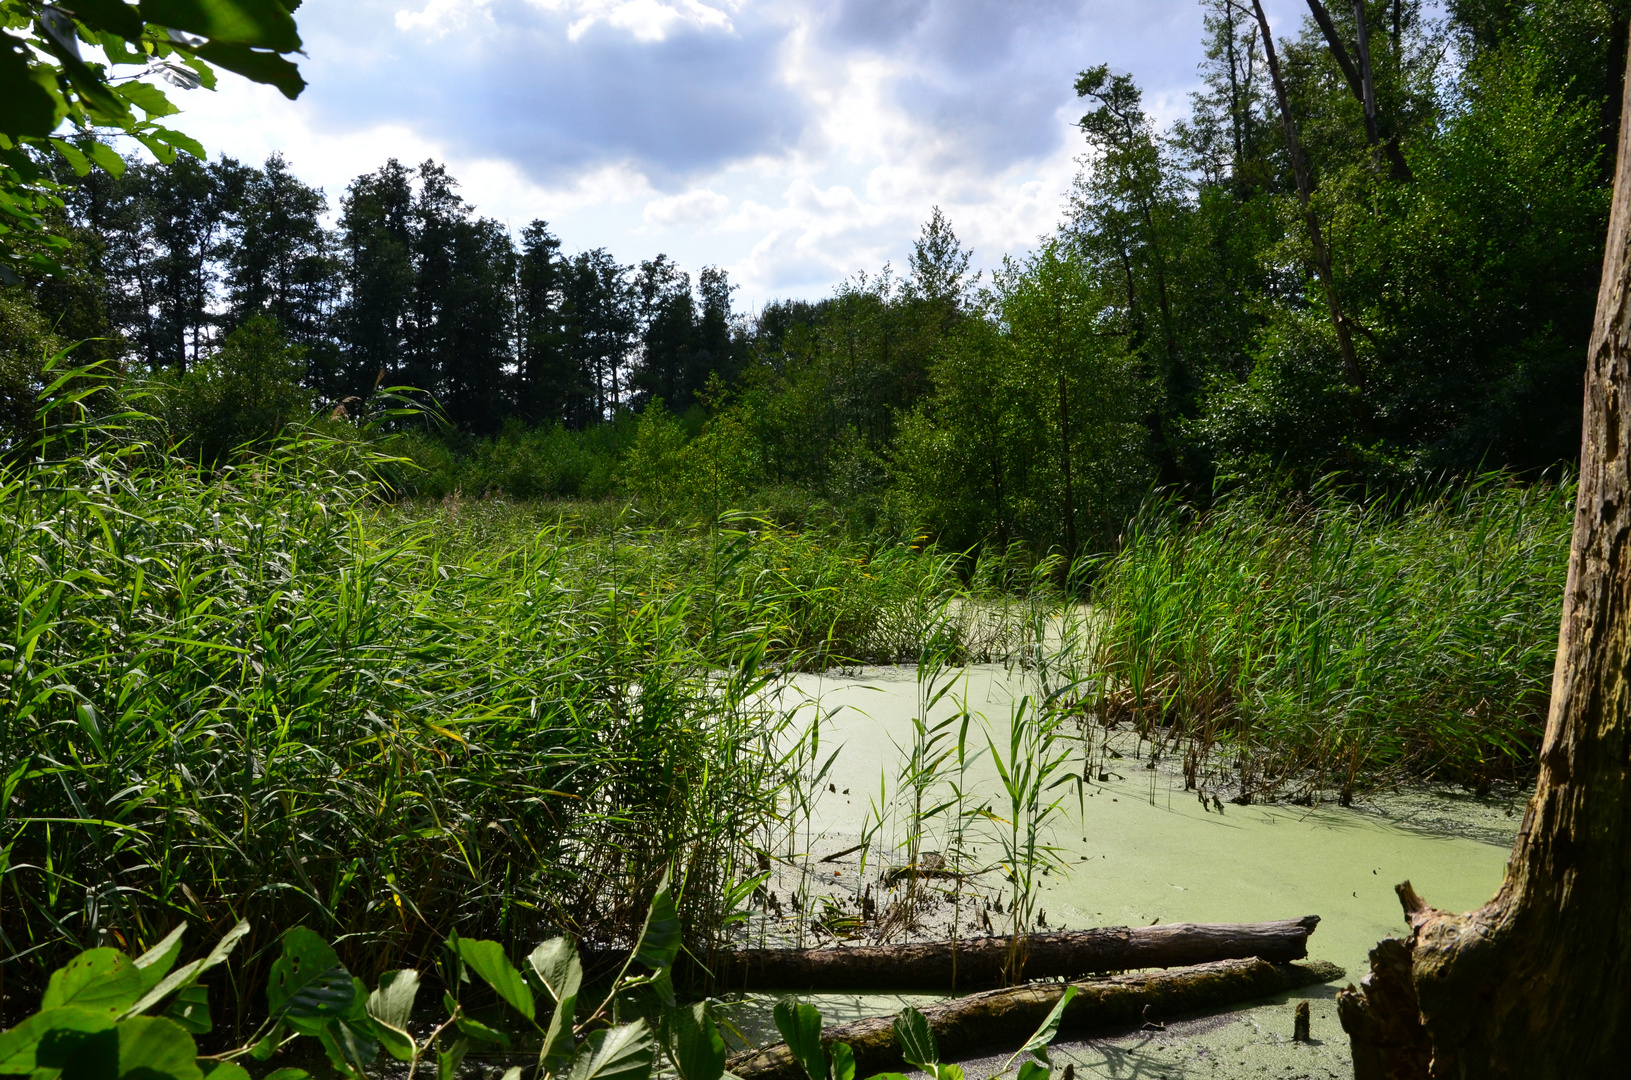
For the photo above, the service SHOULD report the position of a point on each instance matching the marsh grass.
(265, 693)
(1306, 648)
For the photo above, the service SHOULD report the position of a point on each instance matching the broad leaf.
(843, 1061)
(1033, 1070)
(256, 65)
(447, 1062)
(348, 1044)
(1045, 1033)
(155, 963)
(487, 959)
(916, 1040)
(289, 1074)
(191, 1009)
(308, 981)
(623, 1053)
(391, 1006)
(141, 1048)
(694, 1044)
(19, 1045)
(111, 15)
(481, 1032)
(226, 1070)
(266, 24)
(556, 964)
(800, 1026)
(101, 979)
(31, 109)
(660, 937)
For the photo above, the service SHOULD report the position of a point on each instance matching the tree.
(46, 85)
(1535, 983)
(544, 375)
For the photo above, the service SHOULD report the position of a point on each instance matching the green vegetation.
(1308, 644)
(263, 694)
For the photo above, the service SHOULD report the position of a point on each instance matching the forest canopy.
(1373, 258)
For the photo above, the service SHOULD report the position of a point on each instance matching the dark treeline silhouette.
(411, 287)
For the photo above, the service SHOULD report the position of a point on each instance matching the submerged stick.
(1006, 1018)
(975, 963)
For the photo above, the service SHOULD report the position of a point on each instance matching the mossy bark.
(1537, 983)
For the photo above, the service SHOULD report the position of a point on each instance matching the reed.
(265, 693)
(1306, 647)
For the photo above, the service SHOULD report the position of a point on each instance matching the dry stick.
(1305, 191)
(970, 963)
(1005, 1018)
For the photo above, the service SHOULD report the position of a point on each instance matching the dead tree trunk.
(1005, 1018)
(1537, 983)
(977, 963)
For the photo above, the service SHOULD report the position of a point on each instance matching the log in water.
(1006, 1018)
(977, 963)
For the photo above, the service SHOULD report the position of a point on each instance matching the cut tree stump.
(979, 963)
(1006, 1018)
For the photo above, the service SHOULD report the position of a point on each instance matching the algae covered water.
(1133, 847)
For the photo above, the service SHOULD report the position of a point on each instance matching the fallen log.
(978, 963)
(1006, 1018)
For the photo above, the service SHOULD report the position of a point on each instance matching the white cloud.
(698, 207)
(646, 20)
(438, 17)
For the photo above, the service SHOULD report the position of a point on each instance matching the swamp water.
(1136, 849)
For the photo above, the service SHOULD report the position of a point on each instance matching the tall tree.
(543, 367)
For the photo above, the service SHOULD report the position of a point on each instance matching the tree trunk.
(1006, 1018)
(1537, 983)
(949, 966)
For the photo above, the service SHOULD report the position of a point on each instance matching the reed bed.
(263, 693)
(1304, 648)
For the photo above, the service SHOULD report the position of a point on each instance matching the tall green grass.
(1322, 641)
(264, 693)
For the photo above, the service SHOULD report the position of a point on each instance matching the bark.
(1362, 82)
(1537, 983)
(1006, 1018)
(949, 966)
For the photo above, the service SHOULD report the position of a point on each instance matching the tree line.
(1368, 250)
(410, 287)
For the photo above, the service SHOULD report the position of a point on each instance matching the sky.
(791, 142)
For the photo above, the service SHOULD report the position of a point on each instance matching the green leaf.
(257, 66)
(191, 1009)
(916, 1040)
(289, 1074)
(308, 981)
(623, 1053)
(181, 141)
(110, 15)
(188, 974)
(70, 153)
(19, 1045)
(102, 979)
(31, 109)
(694, 1045)
(800, 1026)
(266, 24)
(1033, 1070)
(1046, 1032)
(226, 1070)
(155, 963)
(447, 1062)
(391, 1006)
(556, 964)
(146, 97)
(487, 959)
(481, 1032)
(105, 157)
(141, 1048)
(843, 1061)
(348, 1045)
(660, 937)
